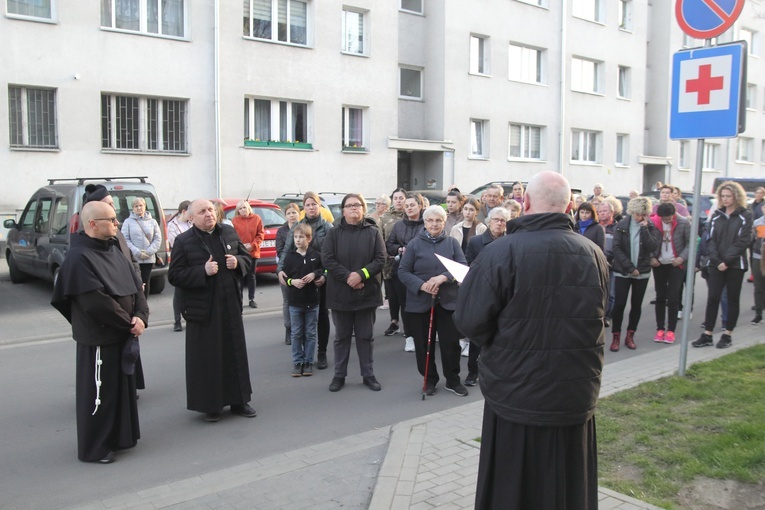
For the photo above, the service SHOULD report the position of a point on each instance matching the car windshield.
(270, 216)
(123, 203)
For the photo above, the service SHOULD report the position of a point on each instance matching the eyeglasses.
(352, 206)
(112, 219)
(499, 220)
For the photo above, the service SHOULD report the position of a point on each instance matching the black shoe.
(244, 410)
(212, 417)
(471, 380)
(757, 319)
(392, 329)
(703, 341)
(336, 384)
(288, 336)
(372, 383)
(297, 370)
(307, 369)
(253, 304)
(430, 389)
(724, 342)
(177, 326)
(458, 389)
(321, 361)
(108, 458)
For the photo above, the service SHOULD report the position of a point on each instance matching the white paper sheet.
(459, 271)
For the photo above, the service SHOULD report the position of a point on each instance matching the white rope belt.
(98, 378)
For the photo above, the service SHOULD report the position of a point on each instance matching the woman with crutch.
(429, 286)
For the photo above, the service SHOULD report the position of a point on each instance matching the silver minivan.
(38, 242)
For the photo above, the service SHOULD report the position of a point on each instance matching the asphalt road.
(39, 466)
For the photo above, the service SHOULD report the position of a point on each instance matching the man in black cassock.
(534, 301)
(100, 295)
(208, 262)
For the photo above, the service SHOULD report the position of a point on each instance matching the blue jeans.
(303, 325)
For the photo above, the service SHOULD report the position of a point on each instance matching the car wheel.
(55, 275)
(16, 275)
(157, 285)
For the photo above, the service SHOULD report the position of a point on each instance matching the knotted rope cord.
(99, 362)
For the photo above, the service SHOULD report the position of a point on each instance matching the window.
(584, 146)
(752, 39)
(586, 75)
(525, 142)
(354, 128)
(762, 152)
(479, 54)
(410, 85)
(32, 116)
(623, 83)
(291, 20)
(143, 124)
(354, 32)
(479, 138)
(525, 64)
(277, 120)
(751, 96)
(166, 17)
(710, 156)
(59, 222)
(744, 151)
(625, 14)
(622, 150)
(588, 9)
(539, 3)
(412, 6)
(685, 148)
(42, 9)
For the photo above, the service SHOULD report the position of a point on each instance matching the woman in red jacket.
(249, 226)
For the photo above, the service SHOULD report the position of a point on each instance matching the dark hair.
(667, 186)
(417, 198)
(397, 190)
(184, 206)
(456, 193)
(357, 196)
(587, 206)
(474, 202)
(666, 209)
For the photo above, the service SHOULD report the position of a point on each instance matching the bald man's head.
(547, 192)
(99, 220)
(203, 214)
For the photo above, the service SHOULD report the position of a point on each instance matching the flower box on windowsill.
(354, 149)
(278, 145)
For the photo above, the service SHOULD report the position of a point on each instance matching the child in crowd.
(304, 274)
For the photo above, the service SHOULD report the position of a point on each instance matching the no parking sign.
(705, 19)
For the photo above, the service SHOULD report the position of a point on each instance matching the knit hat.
(95, 193)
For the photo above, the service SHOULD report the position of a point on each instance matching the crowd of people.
(510, 316)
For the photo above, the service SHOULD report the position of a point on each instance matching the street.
(40, 467)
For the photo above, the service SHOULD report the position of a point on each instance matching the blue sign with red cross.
(708, 92)
(705, 19)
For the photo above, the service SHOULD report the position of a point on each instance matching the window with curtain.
(622, 150)
(682, 160)
(525, 64)
(144, 124)
(525, 142)
(291, 20)
(278, 120)
(479, 54)
(354, 34)
(478, 138)
(353, 127)
(585, 75)
(588, 9)
(623, 83)
(624, 14)
(751, 96)
(710, 155)
(584, 146)
(32, 117)
(745, 149)
(160, 17)
(33, 8)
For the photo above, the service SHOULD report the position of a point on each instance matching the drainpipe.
(216, 65)
(562, 137)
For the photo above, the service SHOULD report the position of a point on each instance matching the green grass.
(653, 440)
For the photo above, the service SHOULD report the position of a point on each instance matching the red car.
(272, 217)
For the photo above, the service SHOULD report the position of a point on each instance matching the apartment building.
(212, 98)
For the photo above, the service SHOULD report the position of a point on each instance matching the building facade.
(212, 98)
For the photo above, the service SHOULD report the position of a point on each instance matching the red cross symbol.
(704, 84)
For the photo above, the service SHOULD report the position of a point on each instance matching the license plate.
(268, 244)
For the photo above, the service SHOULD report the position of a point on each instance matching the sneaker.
(471, 380)
(409, 346)
(703, 341)
(371, 383)
(336, 384)
(321, 361)
(659, 336)
(679, 315)
(177, 326)
(297, 370)
(465, 348)
(385, 305)
(307, 369)
(430, 389)
(757, 319)
(391, 329)
(253, 304)
(458, 390)
(669, 337)
(724, 342)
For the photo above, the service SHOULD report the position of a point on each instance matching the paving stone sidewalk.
(428, 462)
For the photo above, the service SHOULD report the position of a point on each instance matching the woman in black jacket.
(730, 232)
(635, 240)
(587, 225)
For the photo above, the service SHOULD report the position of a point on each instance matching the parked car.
(330, 200)
(38, 242)
(434, 196)
(705, 199)
(272, 217)
(507, 187)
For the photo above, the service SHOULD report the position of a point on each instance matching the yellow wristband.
(366, 273)
(289, 282)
